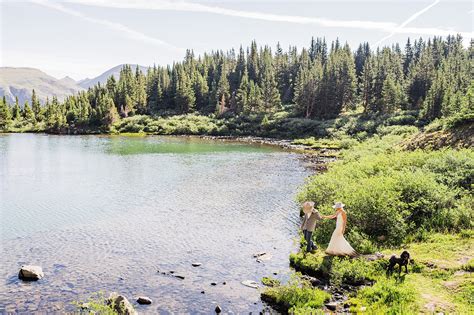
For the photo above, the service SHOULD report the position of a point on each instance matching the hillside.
(115, 71)
(20, 82)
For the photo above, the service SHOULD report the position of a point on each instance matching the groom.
(310, 220)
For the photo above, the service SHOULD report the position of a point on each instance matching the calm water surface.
(104, 213)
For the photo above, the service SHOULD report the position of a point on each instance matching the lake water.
(105, 213)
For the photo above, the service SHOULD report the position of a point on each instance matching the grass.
(386, 296)
(441, 251)
(297, 297)
(96, 304)
(270, 282)
(439, 280)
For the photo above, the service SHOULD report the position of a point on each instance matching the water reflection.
(105, 213)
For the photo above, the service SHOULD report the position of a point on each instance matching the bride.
(338, 246)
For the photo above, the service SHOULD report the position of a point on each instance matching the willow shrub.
(392, 194)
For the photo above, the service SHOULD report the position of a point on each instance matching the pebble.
(144, 300)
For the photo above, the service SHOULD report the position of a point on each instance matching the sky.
(83, 38)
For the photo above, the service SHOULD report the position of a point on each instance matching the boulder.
(120, 304)
(30, 273)
(332, 306)
(218, 309)
(144, 300)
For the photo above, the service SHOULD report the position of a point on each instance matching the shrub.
(396, 130)
(404, 119)
(391, 194)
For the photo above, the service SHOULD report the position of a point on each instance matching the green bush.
(391, 194)
(396, 130)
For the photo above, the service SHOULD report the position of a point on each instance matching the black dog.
(402, 261)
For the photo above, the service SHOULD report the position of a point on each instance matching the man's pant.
(309, 242)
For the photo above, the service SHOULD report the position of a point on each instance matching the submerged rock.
(144, 300)
(30, 273)
(120, 304)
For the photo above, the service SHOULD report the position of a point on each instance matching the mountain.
(19, 82)
(115, 71)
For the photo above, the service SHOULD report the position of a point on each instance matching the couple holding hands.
(338, 246)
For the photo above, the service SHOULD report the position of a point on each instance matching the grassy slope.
(440, 280)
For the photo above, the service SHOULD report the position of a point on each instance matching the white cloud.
(400, 28)
(123, 29)
(167, 5)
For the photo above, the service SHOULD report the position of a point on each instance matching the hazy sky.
(83, 38)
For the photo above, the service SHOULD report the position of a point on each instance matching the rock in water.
(218, 309)
(30, 273)
(144, 300)
(332, 306)
(264, 257)
(251, 284)
(120, 304)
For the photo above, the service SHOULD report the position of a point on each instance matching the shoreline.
(314, 158)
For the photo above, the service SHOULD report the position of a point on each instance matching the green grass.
(270, 282)
(386, 296)
(439, 280)
(96, 304)
(336, 270)
(296, 297)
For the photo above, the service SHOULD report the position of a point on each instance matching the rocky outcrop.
(120, 304)
(30, 273)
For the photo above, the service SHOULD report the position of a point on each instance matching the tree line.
(433, 77)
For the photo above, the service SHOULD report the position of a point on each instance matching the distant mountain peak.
(19, 82)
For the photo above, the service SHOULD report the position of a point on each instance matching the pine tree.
(223, 87)
(5, 115)
(270, 94)
(243, 93)
(140, 92)
(308, 90)
(36, 106)
(16, 111)
(28, 113)
(254, 103)
(392, 95)
(201, 91)
(184, 94)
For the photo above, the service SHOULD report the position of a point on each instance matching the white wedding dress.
(338, 246)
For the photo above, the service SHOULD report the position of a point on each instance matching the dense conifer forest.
(430, 77)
